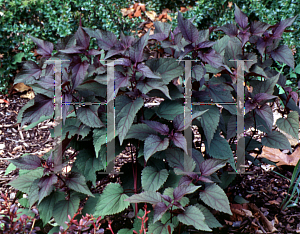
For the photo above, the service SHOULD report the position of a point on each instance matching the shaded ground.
(263, 189)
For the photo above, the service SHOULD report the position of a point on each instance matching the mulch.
(263, 188)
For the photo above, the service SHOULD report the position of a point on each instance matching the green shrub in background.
(220, 12)
(51, 20)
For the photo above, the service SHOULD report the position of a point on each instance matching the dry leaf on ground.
(275, 155)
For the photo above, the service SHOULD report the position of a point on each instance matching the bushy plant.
(51, 20)
(181, 193)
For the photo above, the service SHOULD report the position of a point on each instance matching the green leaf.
(88, 164)
(290, 125)
(11, 167)
(175, 158)
(89, 207)
(226, 179)
(152, 179)
(24, 182)
(125, 231)
(77, 182)
(221, 44)
(24, 202)
(33, 194)
(25, 107)
(159, 228)
(266, 86)
(167, 68)
(47, 205)
(42, 118)
(126, 109)
(193, 216)
(147, 85)
(74, 126)
(88, 115)
(210, 220)
(64, 208)
(18, 58)
(140, 132)
(169, 109)
(216, 198)
(99, 138)
(276, 140)
(148, 197)
(209, 121)
(240, 200)
(218, 143)
(154, 143)
(111, 200)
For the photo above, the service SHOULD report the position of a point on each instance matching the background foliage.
(51, 20)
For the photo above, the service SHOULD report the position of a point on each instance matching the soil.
(263, 189)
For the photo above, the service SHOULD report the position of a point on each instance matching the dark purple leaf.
(43, 105)
(258, 28)
(82, 38)
(180, 141)
(205, 179)
(117, 49)
(176, 203)
(94, 52)
(206, 44)
(294, 95)
(46, 186)
(166, 198)
(161, 31)
(29, 74)
(250, 105)
(120, 81)
(145, 70)
(105, 39)
(126, 41)
(229, 29)
(153, 144)
(78, 73)
(136, 51)
(210, 166)
(77, 182)
(240, 17)
(159, 127)
(188, 30)
(182, 190)
(244, 36)
(285, 55)
(212, 58)
(265, 112)
(73, 50)
(45, 48)
(178, 121)
(27, 162)
(262, 43)
(123, 61)
(159, 210)
(263, 97)
(277, 31)
(186, 180)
